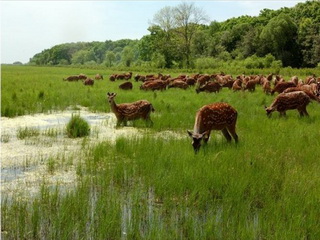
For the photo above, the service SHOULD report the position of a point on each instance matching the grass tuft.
(77, 127)
(26, 132)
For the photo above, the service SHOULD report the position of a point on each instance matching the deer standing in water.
(130, 111)
(215, 116)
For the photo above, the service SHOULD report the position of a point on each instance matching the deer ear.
(190, 133)
(108, 93)
(114, 94)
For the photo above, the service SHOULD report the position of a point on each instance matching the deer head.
(196, 139)
(268, 110)
(111, 97)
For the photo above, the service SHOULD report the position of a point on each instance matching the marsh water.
(25, 162)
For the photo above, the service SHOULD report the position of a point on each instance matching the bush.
(207, 63)
(77, 127)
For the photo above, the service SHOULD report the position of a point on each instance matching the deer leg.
(303, 111)
(232, 131)
(226, 134)
(206, 138)
(148, 120)
(283, 114)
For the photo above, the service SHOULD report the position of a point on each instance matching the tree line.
(183, 37)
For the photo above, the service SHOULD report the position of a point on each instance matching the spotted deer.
(281, 86)
(215, 116)
(209, 87)
(305, 88)
(126, 86)
(88, 81)
(130, 111)
(287, 101)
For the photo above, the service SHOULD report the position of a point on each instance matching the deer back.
(214, 116)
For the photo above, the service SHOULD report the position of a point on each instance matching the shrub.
(77, 127)
(206, 63)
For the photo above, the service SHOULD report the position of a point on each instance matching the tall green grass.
(29, 89)
(154, 189)
(148, 187)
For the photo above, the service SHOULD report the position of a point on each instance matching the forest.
(182, 37)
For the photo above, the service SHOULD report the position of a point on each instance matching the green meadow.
(150, 187)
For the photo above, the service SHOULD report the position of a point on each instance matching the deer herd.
(292, 94)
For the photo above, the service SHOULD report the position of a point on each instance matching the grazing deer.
(178, 84)
(250, 85)
(281, 86)
(215, 116)
(126, 86)
(286, 101)
(209, 87)
(237, 85)
(88, 81)
(130, 111)
(305, 88)
(98, 77)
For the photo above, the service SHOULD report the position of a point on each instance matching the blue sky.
(28, 27)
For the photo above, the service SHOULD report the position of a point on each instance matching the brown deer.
(305, 88)
(154, 85)
(88, 81)
(209, 87)
(98, 77)
(178, 84)
(250, 85)
(286, 101)
(126, 86)
(281, 86)
(215, 116)
(237, 85)
(130, 111)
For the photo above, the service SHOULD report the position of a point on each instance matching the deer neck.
(114, 107)
(198, 126)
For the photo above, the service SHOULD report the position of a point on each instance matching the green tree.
(187, 18)
(110, 58)
(80, 57)
(182, 21)
(127, 56)
(279, 37)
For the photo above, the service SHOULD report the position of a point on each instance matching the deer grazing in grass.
(291, 100)
(215, 116)
(130, 111)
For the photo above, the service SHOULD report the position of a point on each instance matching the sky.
(29, 27)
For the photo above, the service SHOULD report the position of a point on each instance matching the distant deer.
(88, 81)
(130, 111)
(215, 116)
(292, 100)
(126, 86)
